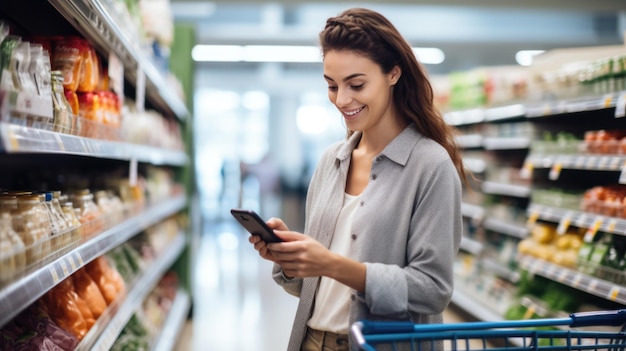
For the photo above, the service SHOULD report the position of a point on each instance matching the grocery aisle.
(237, 305)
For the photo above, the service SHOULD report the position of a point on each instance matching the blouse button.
(378, 159)
(362, 203)
(353, 236)
(373, 176)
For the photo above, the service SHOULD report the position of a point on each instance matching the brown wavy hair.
(372, 35)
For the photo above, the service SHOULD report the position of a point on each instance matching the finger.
(290, 236)
(253, 239)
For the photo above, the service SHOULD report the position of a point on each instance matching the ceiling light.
(284, 53)
(525, 57)
(429, 56)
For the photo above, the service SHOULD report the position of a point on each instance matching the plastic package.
(63, 307)
(89, 291)
(108, 280)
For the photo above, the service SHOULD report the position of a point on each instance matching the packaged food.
(90, 215)
(68, 57)
(91, 69)
(62, 111)
(89, 108)
(89, 291)
(62, 304)
(7, 62)
(108, 280)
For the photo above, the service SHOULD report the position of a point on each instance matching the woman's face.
(359, 89)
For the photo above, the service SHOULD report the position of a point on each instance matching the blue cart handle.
(587, 319)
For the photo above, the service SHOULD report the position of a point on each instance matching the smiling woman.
(359, 258)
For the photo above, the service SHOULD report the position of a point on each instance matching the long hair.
(372, 35)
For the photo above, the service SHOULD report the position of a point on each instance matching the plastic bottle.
(62, 121)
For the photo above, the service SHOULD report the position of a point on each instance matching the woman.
(383, 210)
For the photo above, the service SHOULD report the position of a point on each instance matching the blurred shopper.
(383, 212)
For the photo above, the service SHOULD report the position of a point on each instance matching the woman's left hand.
(300, 255)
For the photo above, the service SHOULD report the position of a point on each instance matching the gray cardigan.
(406, 230)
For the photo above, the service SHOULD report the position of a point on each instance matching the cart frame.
(532, 334)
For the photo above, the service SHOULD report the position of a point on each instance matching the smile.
(350, 114)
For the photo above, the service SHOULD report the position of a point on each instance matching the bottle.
(7, 260)
(62, 121)
(34, 227)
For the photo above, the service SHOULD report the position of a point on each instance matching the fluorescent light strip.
(525, 57)
(284, 53)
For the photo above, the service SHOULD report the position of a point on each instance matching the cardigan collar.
(398, 150)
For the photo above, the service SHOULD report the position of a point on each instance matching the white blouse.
(332, 301)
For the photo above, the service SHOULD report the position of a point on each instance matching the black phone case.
(255, 225)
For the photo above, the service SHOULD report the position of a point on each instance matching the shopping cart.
(534, 334)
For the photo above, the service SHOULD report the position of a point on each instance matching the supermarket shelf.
(579, 161)
(500, 270)
(20, 139)
(474, 307)
(97, 22)
(27, 289)
(472, 211)
(505, 112)
(465, 117)
(490, 114)
(472, 246)
(475, 165)
(503, 227)
(174, 323)
(506, 143)
(575, 279)
(578, 218)
(578, 104)
(108, 327)
(506, 189)
(470, 141)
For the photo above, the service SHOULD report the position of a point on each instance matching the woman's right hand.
(260, 245)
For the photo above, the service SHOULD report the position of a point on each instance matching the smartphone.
(255, 225)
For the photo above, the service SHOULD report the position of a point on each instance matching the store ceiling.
(476, 33)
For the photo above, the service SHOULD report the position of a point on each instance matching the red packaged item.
(62, 305)
(88, 81)
(108, 280)
(68, 56)
(88, 290)
(90, 110)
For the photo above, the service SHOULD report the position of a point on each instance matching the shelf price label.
(620, 106)
(54, 274)
(622, 176)
(555, 171)
(613, 293)
(532, 218)
(66, 272)
(527, 170)
(606, 102)
(72, 263)
(593, 229)
(564, 223)
(611, 226)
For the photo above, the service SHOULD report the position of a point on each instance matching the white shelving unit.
(99, 22)
(555, 163)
